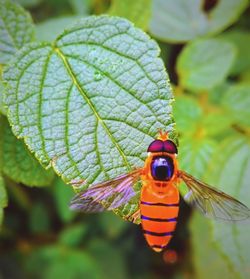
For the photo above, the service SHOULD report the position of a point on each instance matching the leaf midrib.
(99, 119)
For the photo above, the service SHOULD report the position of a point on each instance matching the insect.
(159, 199)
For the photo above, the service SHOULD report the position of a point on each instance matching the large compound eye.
(162, 168)
(170, 147)
(156, 146)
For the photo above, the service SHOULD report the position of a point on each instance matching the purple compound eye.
(156, 146)
(170, 147)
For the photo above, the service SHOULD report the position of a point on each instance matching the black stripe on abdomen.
(143, 217)
(157, 233)
(159, 203)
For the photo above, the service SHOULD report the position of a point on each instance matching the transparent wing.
(87, 205)
(107, 195)
(212, 202)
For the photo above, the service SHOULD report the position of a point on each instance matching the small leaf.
(241, 40)
(39, 219)
(177, 21)
(55, 25)
(16, 29)
(90, 104)
(203, 64)
(62, 195)
(18, 163)
(72, 236)
(81, 7)
(29, 3)
(3, 198)
(111, 224)
(194, 122)
(187, 113)
(232, 173)
(107, 256)
(180, 21)
(195, 154)
(224, 14)
(237, 102)
(60, 262)
(138, 12)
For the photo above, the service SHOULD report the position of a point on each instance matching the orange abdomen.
(159, 216)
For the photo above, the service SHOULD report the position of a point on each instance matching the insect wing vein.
(212, 202)
(108, 195)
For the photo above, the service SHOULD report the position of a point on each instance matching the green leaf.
(62, 195)
(16, 29)
(3, 198)
(237, 102)
(193, 121)
(90, 104)
(18, 163)
(208, 262)
(177, 21)
(107, 256)
(55, 25)
(2, 107)
(81, 7)
(241, 40)
(72, 236)
(59, 262)
(111, 224)
(180, 21)
(187, 113)
(39, 218)
(232, 174)
(29, 3)
(139, 12)
(224, 14)
(195, 154)
(203, 64)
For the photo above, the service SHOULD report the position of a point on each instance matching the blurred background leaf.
(203, 64)
(16, 29)
(138, 12)
(176, 21)
(233, 176)
(19, 164)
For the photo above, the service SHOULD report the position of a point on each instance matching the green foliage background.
(205, 49)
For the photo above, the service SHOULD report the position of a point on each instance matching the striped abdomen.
(159, 216)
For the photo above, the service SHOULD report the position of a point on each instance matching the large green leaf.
(16, 29)
(18, 163)
(138, 12)
(237, 102)
(231, 171)
(181, 20)
(90, 103)
(203, 64)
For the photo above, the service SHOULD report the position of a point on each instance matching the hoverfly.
(159, 201)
